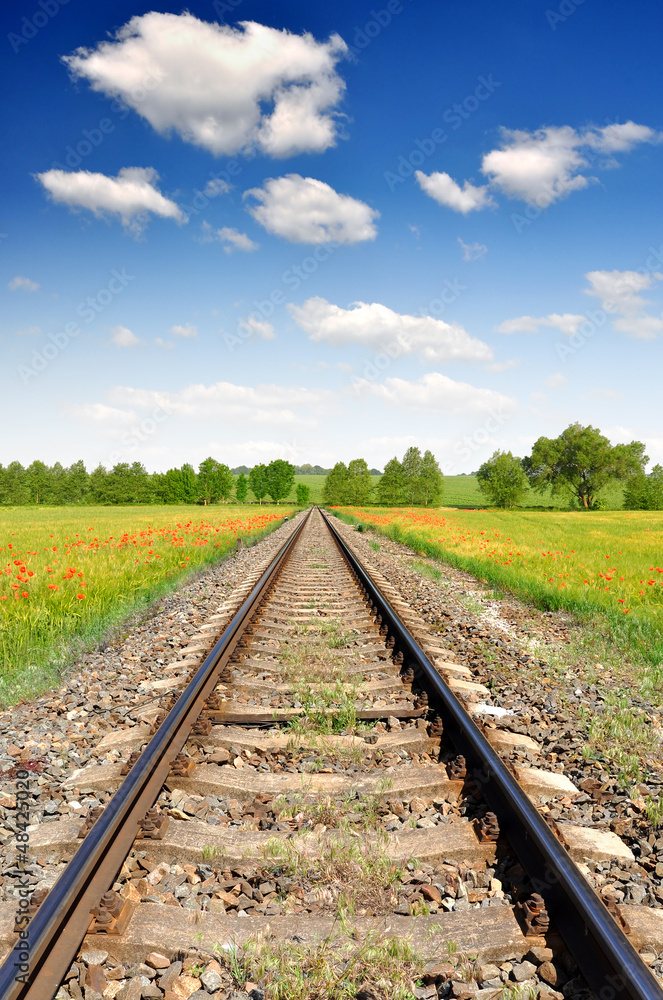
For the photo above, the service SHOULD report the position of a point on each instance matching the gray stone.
(211, 980)
(170, 975)
(523, 971)
(94, 957)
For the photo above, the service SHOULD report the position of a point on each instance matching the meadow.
(585, 562)
(463, 491)
(68, 575)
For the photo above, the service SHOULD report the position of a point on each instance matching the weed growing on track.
(71, 575)
(335, 969)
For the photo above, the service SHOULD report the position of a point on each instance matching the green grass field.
(463, 491)
(68, 575)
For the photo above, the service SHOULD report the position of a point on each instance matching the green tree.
(431, 481)
(99, 490)
(644, 492)
(76, 484)
(38, 482)
(241, 488)
(412, 466)
(502, 480)
(215, 481)
(336, 487)
(16, 490)
(280, 477)
(359, 483)
(581, 461)
(258, 482)
(303, 494)
(391, 488)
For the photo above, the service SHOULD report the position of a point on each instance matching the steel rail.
(53, 936)
(605, 956)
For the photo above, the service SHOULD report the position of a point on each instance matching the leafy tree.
(215, 481)
(241, 488)
(391, 488)
(38, 482)
(581, 461)
(412, 466)
(15, 489)
(77, 484)
(431, 480)
(258, 482)
(99, 492)
(336, 488)
(644, 492)
(303, 493)
(359, 483)
(502, 480)
(280, 478)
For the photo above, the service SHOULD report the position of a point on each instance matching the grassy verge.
(70, 577)
(524, 554)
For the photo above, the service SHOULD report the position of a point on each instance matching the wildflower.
(81, 597)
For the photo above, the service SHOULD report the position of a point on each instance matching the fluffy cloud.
(231, 239)
(543, 166)
(305, 210)
(227, 89)
(444, 189)
(556, 380)
(380, 328)
(187, 331)
(620, 291)
(275, 405)
(473, 251)
(439, 394)
(123, 337)
(132, 194)
(29, 331)
(103, 416)
(260, 327)
(566, 323)
(24, 284)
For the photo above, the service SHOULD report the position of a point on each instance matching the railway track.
(314, 804)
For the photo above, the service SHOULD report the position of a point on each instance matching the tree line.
(128, 483)
(415, 481)
(578, 465)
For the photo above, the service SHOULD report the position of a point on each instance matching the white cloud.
(621, 288)
(473, 251)
(439, 394)
(123, 337)
(503, 366)
(24, 284)
(260, 327)
(606, 393)
(132, 194)
(275, 405)
(231, 238)
(227, 89)
(305, 210)
(187, 331)
(619, 292)
(556, 380)
(167, 344)
(100, 414)
(380, 328)
(444, 189)
(566, 323)
(546, 165)
(29, 331)
(215, 187)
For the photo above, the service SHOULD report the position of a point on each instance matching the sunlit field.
(604, 560)
(66, 574)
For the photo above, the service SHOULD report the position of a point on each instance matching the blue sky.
(318, 232)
